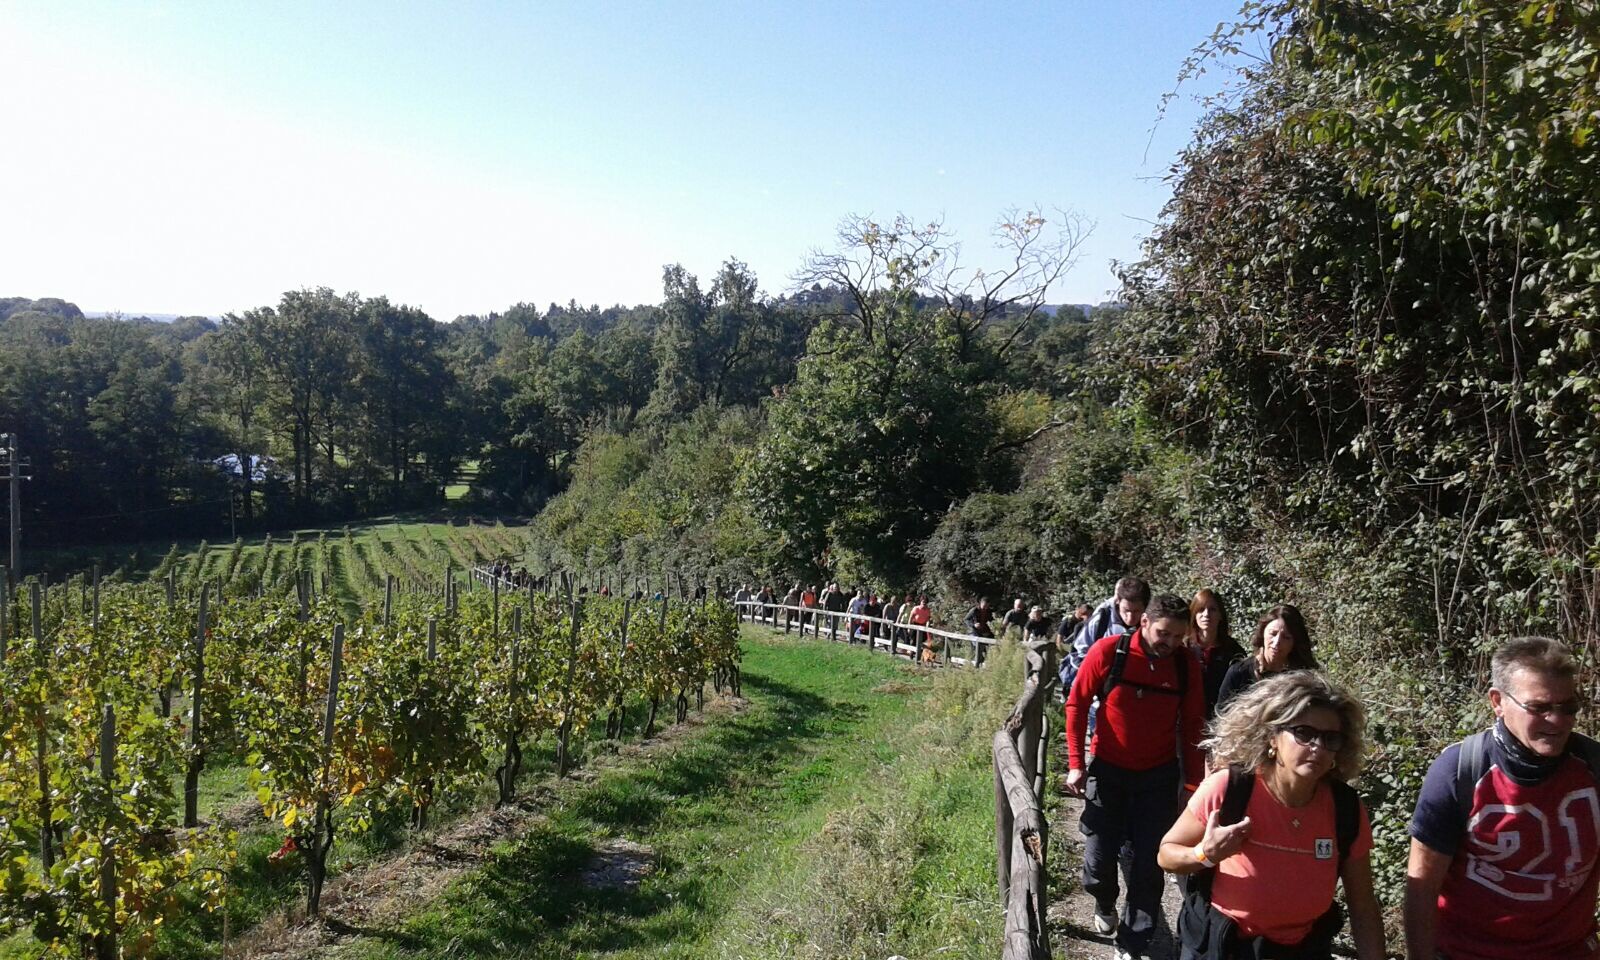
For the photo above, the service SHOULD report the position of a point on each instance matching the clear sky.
(166, 157)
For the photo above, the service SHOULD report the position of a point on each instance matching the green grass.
(847, 812)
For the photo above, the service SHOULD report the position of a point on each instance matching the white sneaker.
(1117, 953)
(1105, 923)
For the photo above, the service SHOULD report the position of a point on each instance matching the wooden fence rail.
(933, 644)
(1021, 830)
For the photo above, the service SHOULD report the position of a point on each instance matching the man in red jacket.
(1146, 739)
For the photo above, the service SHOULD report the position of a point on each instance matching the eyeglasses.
(1569, 708)
(1305, 735)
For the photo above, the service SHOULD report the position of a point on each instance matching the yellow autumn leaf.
(290, 817)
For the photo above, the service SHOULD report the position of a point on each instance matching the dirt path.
(1071, 916)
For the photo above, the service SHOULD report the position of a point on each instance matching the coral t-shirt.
(1284, 877)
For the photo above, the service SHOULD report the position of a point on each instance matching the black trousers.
(1135, 807)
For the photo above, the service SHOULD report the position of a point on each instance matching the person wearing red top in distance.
(1152, 710)
(1506, 834)
(1267, 838)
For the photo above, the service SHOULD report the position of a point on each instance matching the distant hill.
(45, 306)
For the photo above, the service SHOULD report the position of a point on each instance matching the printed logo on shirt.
(1324, 848)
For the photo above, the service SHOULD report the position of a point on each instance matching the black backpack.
(1209, 932)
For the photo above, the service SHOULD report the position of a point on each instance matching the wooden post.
(433, 639)
(191, 779)
(47, 851)
(94, 621)
(566, 696)
(496, 632)
(5, 613)
(172, 589)
(388, 597)
(322, 824)
(105, 943)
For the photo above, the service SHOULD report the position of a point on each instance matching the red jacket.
(1138, 724)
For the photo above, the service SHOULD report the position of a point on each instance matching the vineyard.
(119, 698)
(353, 563)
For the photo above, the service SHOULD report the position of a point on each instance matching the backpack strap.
(1235, 800)
(1472, 762)
(1119, 661)
(1346, 818)
(1588, 751)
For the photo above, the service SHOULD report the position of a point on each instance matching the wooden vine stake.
(322, 833)
(105, 942)
(197, 762)
(614, 720)
(566, 696)
(655, 699)
(388, 598)
(47, 851)
(5, 613)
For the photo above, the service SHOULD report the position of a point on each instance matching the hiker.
(918, 618)
(1037, 626)
(1268, 836)
(790, 601)
(1211, 639)
(1281, 642)
(1506, 834)
(1151, 710)
(873, 611)
(891, 613)
(1116, 616)
(857, 609)
(1016, 617)
(808, 603)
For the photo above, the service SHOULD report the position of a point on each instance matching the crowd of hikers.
(861, 612)
(1228, 765)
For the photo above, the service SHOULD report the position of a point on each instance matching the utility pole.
(14, 474)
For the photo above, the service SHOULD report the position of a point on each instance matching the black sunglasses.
(1305, 735)
(1569, 708)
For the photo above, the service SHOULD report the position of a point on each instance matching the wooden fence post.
(496, 632)
(433, 639)
(388, 597)
(191, 778)
(105, 942)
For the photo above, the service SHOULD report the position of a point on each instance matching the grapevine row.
(337, 723)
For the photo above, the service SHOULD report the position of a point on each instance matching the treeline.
(331, 406)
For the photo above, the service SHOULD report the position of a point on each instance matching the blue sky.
(202, 158)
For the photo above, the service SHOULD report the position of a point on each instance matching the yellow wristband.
(1200, 855)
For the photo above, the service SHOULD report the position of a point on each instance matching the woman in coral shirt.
(1274, 871)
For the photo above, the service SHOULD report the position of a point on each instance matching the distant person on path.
(1016, 617)
(891, 613)
(873, 611)
(1211, 638)
(1152, 713)
(790, 599)
(857, 608)
(919, 617)
(808, 600)
(1281, 642)
(1269, 836)
(1037, 626)
(1506, 836)
(978, 619)
(1118, 615)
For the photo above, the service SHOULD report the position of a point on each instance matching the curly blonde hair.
(1242, 733)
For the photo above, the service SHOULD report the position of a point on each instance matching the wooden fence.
(1020, 827)
(929, 644)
